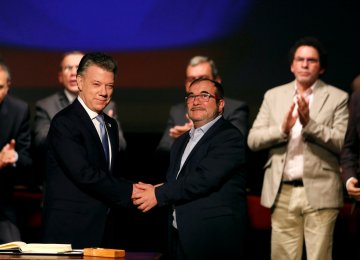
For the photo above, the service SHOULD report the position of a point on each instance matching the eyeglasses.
(68, 68)
(203, 97)
(309, 60)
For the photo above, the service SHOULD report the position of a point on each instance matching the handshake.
(143, 196)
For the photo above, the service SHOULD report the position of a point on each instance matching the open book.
(35, 248)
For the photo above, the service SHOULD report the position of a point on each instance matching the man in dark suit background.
(205, 182)
(14, 153)
(350, 168)
(237, 112)
(80, 183)
(47, 108)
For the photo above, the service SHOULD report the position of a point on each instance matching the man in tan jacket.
(303, 124)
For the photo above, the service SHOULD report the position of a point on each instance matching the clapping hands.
(8, 155)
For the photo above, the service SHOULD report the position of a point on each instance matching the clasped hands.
(8, 155)
(291, 116)
(143, 196)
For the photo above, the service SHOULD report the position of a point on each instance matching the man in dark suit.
(82, 161)
(14, 153)
(205, 182)
(47, 108)
(237, 112)
(350, 168)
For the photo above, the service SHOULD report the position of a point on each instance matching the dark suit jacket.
(48, 107)
(14, 124)
(79, 186)
(237, 112)
(350, 154)
(209, 193)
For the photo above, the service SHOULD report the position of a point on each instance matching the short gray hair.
(196, 60)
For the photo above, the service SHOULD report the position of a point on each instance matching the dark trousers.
(176, 249)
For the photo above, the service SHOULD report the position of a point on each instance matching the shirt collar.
(70, 96)
(205, 127)
(91, 113)
(309, 90)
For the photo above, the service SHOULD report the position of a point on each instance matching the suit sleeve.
(239, 117)
(350, 151)
(23, 140)
(330, 136)
(166, 140)
(41, 125)
(263, 133)
(223, 159)
(75, 154)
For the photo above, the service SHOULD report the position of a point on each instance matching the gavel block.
(104, 252)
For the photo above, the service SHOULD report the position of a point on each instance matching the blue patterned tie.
(103, 135)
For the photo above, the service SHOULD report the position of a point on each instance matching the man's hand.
(178, 130)
(353, 191)
(144, 198)
(289, 120)
(110, 113)
(303, 110)
(8, 155)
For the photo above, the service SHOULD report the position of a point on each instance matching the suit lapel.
(63, 101)
(180, 147)
(320, 97)
(203, 140)
(88, 124)
(287, 98)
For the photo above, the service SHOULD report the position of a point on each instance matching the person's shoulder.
(16, 102)
(178, 108)
(336, 91)
(49, 99)
(281, 88)
(225, 125)
(234, 101)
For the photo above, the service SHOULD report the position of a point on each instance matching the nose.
(305, 63)
(102, 90)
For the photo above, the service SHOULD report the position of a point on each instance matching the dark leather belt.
(295, 183)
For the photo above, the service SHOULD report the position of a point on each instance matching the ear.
(221, 105)
(79, 81)
(60, 77)
(322, 71)
(218, 79)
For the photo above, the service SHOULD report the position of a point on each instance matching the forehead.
(199, 70)
(306, 51)
(3, 76)
(72, 59)
(203, 86)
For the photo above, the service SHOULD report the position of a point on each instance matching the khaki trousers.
(293, 220)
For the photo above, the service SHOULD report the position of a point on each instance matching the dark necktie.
(103, 136)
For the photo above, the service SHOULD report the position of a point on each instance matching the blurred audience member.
(237, 112)
(14, 153)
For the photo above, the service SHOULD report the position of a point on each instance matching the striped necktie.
(103, 136)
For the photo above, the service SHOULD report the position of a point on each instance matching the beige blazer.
(323, 137)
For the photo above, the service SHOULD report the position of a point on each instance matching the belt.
(295, 183)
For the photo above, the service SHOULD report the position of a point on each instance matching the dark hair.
(313, 42)
(196, 60)
(219, 89)
(99, 59)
